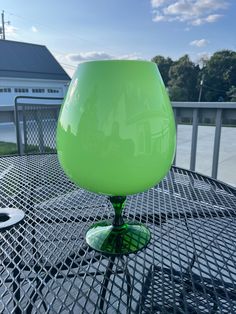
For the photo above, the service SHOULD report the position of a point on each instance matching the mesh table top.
(46, 267)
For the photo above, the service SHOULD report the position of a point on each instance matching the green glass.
(116, 136)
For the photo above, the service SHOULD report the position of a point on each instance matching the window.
(52, 90)
(38, 90)
(21, 90)
(5, 90)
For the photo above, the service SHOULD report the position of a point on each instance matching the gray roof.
(25, 60)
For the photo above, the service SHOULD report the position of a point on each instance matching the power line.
(28, 20)
(94, 43)
(214, 89)
(52, 28)
(40, 24)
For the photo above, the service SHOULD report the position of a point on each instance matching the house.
(29, 70)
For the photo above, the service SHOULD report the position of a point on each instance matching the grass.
(7, 148)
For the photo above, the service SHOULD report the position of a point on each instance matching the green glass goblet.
(116, 136)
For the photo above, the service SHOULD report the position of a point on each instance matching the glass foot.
(118, 240)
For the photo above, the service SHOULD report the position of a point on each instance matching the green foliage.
(7, 148)
(219, 76)
(177, 93)
(231, 94)
(164, 65)
(182, 77)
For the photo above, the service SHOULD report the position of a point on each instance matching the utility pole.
(201, 86)
(2, 29)
(3, 26)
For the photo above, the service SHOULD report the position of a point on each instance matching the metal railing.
(36, 122)
(218, 114)
(205, 113)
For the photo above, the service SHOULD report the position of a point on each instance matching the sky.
(80, 30)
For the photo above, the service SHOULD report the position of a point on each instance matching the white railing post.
(194, 140)
(216, 149)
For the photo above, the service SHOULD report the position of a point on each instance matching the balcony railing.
(36, 121)
(36, 112)
(208, 114)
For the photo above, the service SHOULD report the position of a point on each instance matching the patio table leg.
(106, 280)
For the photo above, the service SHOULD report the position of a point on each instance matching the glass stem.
(118, 203)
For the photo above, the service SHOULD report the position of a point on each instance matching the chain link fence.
(36, 123)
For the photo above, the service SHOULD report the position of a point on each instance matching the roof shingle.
(26, 60)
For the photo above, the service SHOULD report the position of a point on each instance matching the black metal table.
(46, 266)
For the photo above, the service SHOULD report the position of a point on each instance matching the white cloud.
(157, 3)
(63, 60)
(70, 61)
(11, 31)
(204, 55)
(158, 18)
(197, 22)
(98, 55)
(86, 56)
(34, 29)
(180, 8)
(209, 19)
(202, 58)
(213, 17)
(132, 56)
(193, 12)
(199, 42)
(202, 5)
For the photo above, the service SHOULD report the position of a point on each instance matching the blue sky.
(79, 30)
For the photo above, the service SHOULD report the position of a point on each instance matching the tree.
(164, 65)
(184, 76)
(231, 94)
(219, 76)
